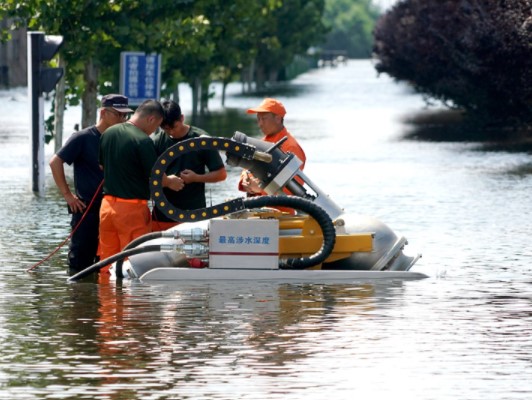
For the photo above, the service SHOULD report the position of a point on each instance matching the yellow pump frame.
(311, 238)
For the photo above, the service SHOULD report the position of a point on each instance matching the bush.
(471, 54)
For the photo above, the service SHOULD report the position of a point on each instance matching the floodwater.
(463, 333)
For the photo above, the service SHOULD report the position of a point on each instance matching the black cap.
(116, 101)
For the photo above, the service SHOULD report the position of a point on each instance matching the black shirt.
(192, 196)
(81, 149)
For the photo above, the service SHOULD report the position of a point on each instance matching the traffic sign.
(140, 76)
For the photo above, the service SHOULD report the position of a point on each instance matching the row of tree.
(471, 54)
(350, 25)
(200, 40)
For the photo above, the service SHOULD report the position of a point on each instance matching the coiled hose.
(315, 211)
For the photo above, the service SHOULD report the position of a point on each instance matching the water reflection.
(109, 341)
(187, 333)
(218, 123)
(464, 204)
(138, 340)
(452, 126)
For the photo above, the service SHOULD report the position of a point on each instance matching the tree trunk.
(260, 78)
(89, 96)
(195, 98)
(59, 108)
(224, 89)
(176, 93)
(204, 97)
(248, 74)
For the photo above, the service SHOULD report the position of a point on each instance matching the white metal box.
(244, 243)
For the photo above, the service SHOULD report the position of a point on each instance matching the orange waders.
(121, 221)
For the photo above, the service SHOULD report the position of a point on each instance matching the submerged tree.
(471, 54)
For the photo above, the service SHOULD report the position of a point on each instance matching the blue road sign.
(140, 76)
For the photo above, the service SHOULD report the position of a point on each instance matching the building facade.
(13, 58)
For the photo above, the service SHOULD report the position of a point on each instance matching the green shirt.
(127, 155)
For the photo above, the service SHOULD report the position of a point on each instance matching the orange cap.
(269, 105)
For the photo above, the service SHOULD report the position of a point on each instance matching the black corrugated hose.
(315, 211)
(109, 260)
(132, 244)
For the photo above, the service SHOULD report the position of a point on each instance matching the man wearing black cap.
(81, 149)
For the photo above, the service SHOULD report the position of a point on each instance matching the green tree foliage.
(351, 24)
(473, 54)
(94, 34)
(281, 32)
(199, 39)
(208, 39)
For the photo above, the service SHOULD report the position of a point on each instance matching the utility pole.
(41, 79)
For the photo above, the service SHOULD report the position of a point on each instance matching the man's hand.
(251, 184)
(189, 176)
(173, 182)
(74, 203)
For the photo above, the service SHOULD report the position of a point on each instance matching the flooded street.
(463, 333)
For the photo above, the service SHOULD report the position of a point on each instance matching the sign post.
(140, 76)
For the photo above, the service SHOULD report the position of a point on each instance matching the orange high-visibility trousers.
(121, 221)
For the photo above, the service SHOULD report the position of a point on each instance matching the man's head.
(270, 116)
(269, 105)
(173, 118)
(115, 108)
(148, 116)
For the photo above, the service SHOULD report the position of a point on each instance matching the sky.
(385, 4)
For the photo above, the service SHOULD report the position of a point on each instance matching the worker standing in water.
(270, 118)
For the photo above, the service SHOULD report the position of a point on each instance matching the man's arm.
(190, 176)
(58, 172)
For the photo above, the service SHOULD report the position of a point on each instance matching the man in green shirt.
(127, 155)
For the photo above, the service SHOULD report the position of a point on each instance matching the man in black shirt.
(81, 149)
(194, 168)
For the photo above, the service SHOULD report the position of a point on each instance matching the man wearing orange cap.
(270, 118)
